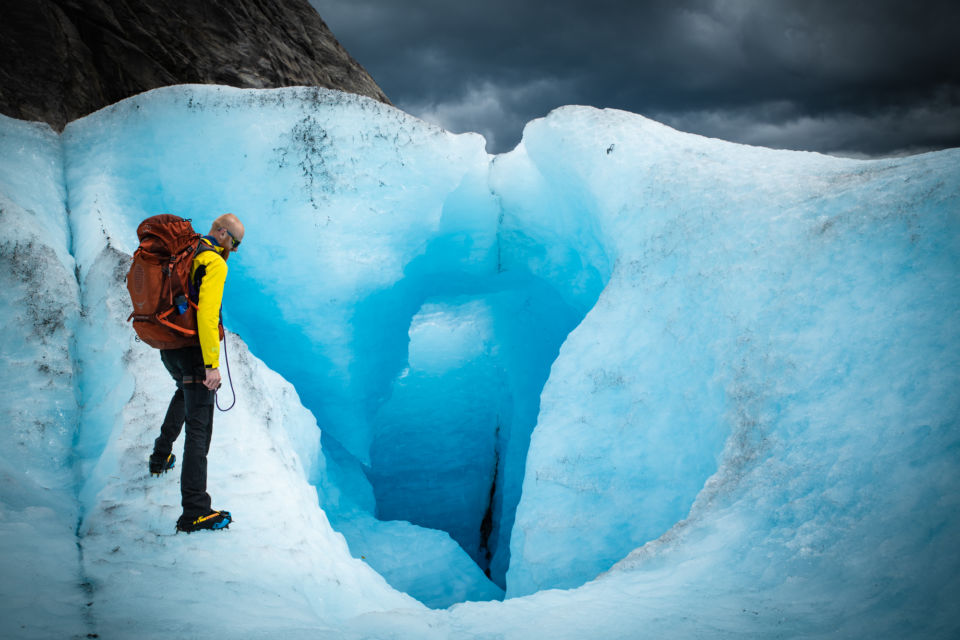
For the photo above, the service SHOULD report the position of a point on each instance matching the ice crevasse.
(648, 382)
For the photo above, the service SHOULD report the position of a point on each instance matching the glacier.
(619, 382)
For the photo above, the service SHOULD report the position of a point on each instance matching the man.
(197, 374)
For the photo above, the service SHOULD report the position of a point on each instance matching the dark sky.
(850, 77)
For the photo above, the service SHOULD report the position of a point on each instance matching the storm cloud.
(841, 76)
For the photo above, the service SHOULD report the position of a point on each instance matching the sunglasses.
(236, 243)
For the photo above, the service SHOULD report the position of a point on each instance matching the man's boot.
(161, 464)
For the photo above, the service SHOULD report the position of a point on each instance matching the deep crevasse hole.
(449, 366)
(449, 442)
(434, 452)
(453, 361)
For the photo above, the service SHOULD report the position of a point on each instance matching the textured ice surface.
(754, 421)
(42, 588)
(771, 315)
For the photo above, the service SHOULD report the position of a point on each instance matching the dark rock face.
(63, 59)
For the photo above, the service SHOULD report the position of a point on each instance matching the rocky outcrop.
(63, 59)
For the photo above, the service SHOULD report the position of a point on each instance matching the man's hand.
(212, 380)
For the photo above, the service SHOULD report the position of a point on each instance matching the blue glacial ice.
(40, 405)
(649, 383)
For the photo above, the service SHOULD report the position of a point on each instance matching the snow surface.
(657, 385)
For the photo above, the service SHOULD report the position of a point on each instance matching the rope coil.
(216, 396)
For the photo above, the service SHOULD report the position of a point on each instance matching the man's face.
(229, 239)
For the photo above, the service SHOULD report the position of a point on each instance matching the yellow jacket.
(211, 269)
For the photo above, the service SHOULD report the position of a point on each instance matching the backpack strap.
(200, 272)
(194, 297)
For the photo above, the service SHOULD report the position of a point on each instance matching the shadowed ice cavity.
(468, 356)
(453, 358)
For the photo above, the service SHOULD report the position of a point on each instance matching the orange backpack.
(164, 315)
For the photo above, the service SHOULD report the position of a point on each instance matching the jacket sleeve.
(208, 307)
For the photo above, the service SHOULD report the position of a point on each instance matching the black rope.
(226, 359)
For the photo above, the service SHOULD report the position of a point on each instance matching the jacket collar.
(210, 240)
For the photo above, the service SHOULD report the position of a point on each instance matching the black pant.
(192, 404)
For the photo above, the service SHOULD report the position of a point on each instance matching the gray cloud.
(845, 76)
(487, 108)
(905, 130)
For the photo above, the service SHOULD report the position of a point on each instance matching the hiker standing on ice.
(195, 368)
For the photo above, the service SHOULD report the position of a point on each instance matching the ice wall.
(42, 593)
(782, 326)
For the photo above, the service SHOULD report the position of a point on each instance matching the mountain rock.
(63, 59)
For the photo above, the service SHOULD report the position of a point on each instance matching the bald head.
(228, 230)
(231, 223)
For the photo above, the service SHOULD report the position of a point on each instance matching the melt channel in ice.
(735, 369)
